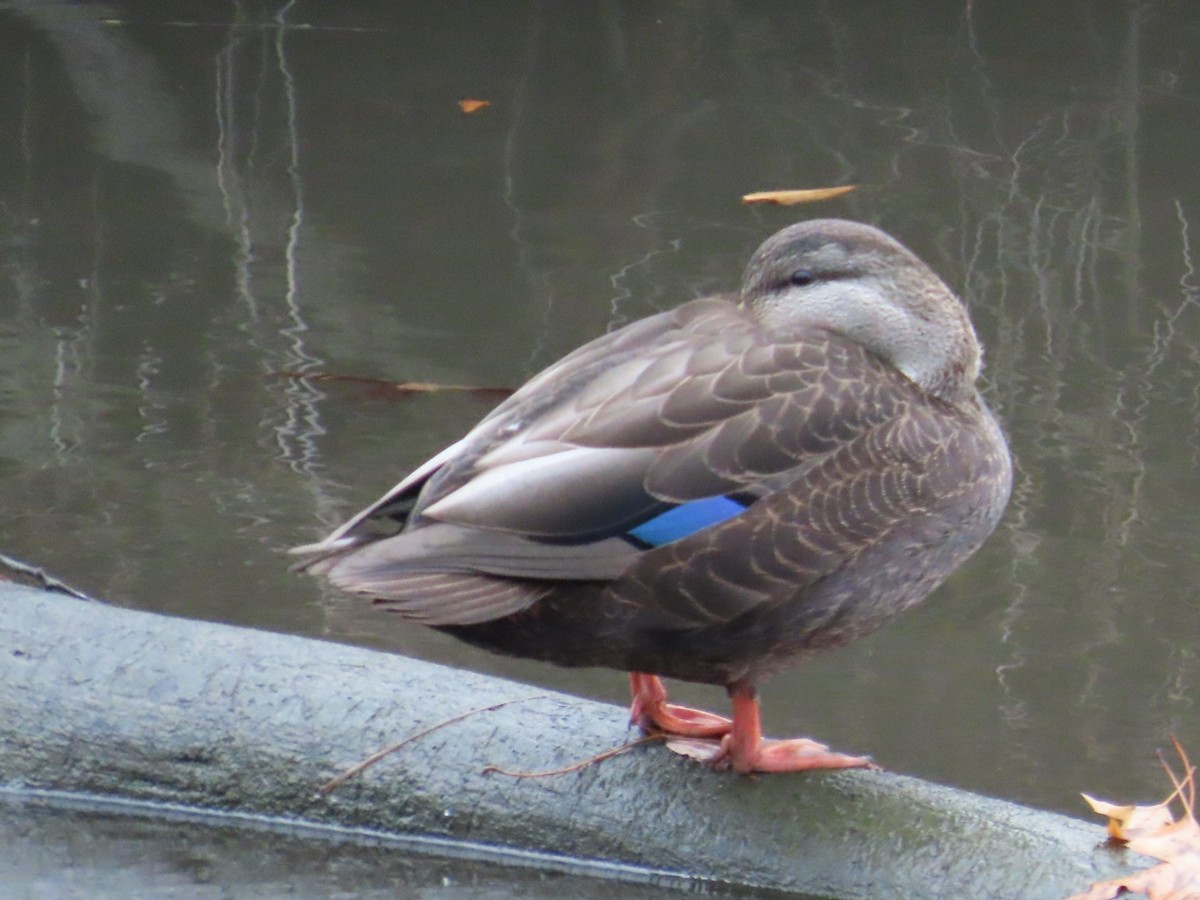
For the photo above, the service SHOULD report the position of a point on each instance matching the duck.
(713, 493)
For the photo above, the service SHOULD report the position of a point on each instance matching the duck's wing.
(699, 417)
(637, 442)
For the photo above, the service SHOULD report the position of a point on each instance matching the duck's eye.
(802, 277)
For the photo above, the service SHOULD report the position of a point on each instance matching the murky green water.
(63, 852)
(198, 200)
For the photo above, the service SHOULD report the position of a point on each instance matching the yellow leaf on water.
(468, 105)
(791, 198)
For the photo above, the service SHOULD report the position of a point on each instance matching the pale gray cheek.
(837, 305)
(860, 312)
(866, 315)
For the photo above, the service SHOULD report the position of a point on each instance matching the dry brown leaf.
(468, 105)
(791, 198)
(1127, 822)
(1154, 831)
(1177, 841)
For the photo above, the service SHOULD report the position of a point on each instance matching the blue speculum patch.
(685, 520)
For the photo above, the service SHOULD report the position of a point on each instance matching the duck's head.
(858, 281)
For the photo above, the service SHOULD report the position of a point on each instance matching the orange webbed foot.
(793, 755)
(743, 749)
(651, 712)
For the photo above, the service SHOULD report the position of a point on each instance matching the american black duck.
(712, 493)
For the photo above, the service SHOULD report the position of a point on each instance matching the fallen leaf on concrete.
(1128, 822)
(1154, 831)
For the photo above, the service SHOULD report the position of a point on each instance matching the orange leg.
(650, 711)
(745, 750)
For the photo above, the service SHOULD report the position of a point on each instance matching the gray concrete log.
(119, 703)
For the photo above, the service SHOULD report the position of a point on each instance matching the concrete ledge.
(106, 701)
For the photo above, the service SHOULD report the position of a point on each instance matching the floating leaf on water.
(397, 388)
(791, 198)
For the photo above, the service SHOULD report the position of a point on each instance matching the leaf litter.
(1155, 831)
